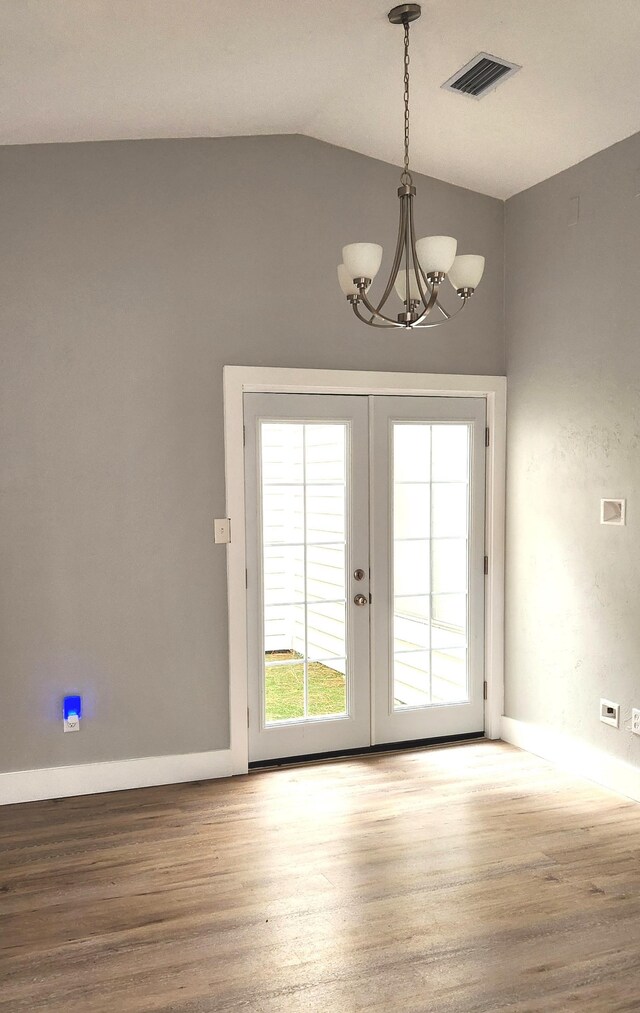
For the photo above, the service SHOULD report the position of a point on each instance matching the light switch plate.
(222, 531)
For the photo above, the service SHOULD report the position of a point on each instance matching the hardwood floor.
(466, 878)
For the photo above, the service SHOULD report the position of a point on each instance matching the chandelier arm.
(439, 323)
(371, 321)
(428, 307)
(375, 314)
(445, 313)
(395, 267)
(433, 292)
(420, 276)
(408, 250)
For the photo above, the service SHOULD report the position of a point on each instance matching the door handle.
(360, 599)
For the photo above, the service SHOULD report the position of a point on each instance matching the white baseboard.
(113, 775)
(574, 756)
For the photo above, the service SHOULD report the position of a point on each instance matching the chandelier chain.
(406, 175)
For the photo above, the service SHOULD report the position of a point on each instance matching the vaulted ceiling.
(81, 70)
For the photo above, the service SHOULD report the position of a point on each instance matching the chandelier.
(420, 266)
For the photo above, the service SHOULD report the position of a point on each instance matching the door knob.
(360, 599)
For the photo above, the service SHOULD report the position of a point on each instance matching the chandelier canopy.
(419, 266)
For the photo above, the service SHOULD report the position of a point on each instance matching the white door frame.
(239, 380)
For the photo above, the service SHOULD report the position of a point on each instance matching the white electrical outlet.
(635, 721)
(72, 723)
(610, 713)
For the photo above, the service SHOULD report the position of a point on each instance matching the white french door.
(307, 495)
(427, 621)
(365, 570)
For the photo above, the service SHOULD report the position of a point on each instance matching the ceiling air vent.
(481, 75)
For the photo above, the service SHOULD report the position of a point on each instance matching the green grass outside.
(284, 687)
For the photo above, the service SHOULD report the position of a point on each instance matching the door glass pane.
(327, 688)
(411, 623)
(282, 453)
(449, 565)
(326, 629)
(449, 676)
(448, 621)
(283, 570)
(450, 609)
(412, 510)
(304, 510)
(325, 572)
(449, 502)
(321, 462)
(411, 452)
(449, 452)
(430, 563)
(325, 514)
(284, 687)
(412, 679)
(282, 514)
(411, 566)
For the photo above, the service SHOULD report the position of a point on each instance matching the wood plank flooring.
(467, 878)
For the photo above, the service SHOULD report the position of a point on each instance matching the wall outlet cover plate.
(610, 713)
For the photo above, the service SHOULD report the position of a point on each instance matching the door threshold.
(382, 747)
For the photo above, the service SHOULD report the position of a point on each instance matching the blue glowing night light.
(72, 705)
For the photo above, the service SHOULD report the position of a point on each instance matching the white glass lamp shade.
(400, 285)
(362, 260)
(466, 271)
(346, 283)
(436, 253)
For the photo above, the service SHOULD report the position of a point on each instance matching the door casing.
(239, 380)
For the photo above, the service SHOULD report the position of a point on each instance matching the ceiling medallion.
(420, 266)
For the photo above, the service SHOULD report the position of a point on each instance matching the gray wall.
(573, 335)
(130, 273)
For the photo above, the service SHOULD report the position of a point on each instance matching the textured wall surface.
(130, 273)
(573, 362)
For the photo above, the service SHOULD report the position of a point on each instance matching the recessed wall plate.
(613, 511)
(610, 713)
